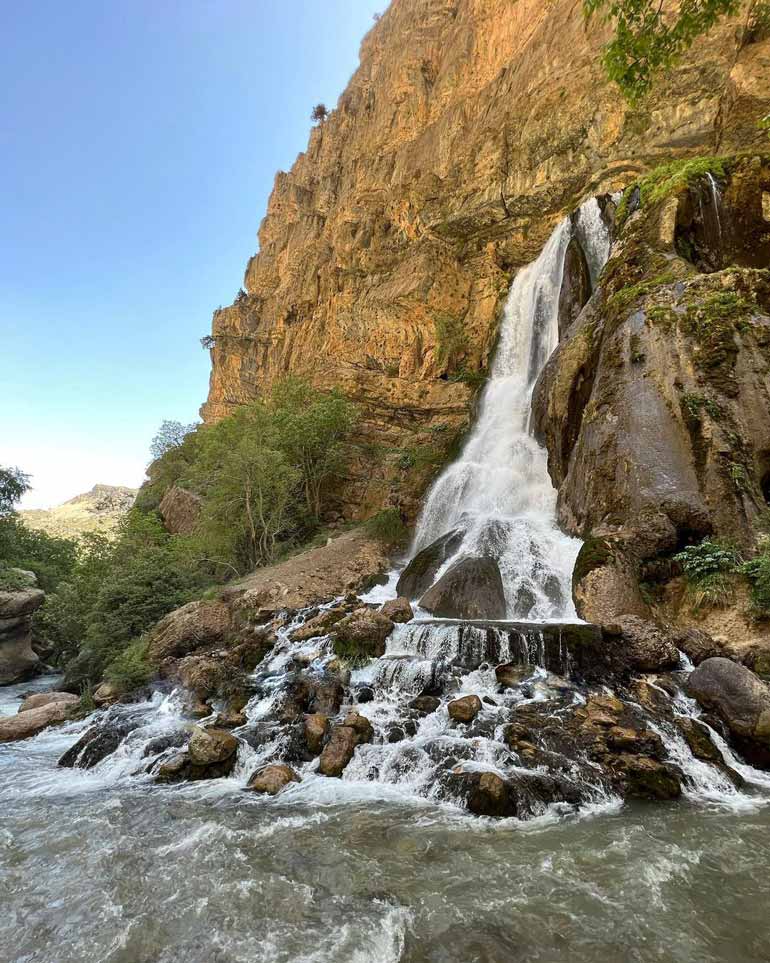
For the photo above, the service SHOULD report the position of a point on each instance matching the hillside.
(98, 510)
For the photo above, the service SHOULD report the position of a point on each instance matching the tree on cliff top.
(650, 36)
(319, 114)
(170, 435)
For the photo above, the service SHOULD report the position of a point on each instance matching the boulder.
(362, 634)
(644, 647)
(523, 795)
(740, 699)
(316, 728)
(97, 743)
(697, 645)
(470, 589)
(180, 510)
(425, 704)
(318, 625)
(45, 698)
(24, 725)
(18, 659)
(645, 778)
(420, 573)
(338, 751)
(211, 746)
(465, 709)
(106, 694)
(398, 610)
(310, 692)
(511, 674)
(193, 626)
(272, 779)
(699, 739)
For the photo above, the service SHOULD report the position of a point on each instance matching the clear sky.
(138, 146)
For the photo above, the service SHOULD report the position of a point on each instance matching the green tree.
(13, 485)
(170, 435)
(651, 36)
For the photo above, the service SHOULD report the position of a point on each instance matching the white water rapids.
(498, 491)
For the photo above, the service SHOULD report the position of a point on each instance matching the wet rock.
(511, 674)
(319, 625)
(740, 699)
(316, 729)
(425, 704)
(699, 740)
(640, 741)
(106, 694)
(24, 725)
(465, 709)
(471, 589)
(45, 698)
(644, 647)
(210, 746)
(522, 796)
(309, 692)
(362, 634)
(396, 734)
(344, 739)
(364, 694)
(272, 779)
(645, 778)
(175, 769)
(398, 610)
(97, 743)
(697, 645)
(420, 573)
(174, 740)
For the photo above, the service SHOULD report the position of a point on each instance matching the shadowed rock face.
(654, 405)
(18, 660)
(419, 574)
(471, 589)
(469, 128)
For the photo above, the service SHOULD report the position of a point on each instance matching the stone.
(180, 510)
(643, 742)
(272, 779)
(24, 725)
(511, 674)
(398, 610)
(316, 728)
(697, 645)
(470, 589)
(106, 694)
(344, 739)
(465, 709)
(420, 573)
(45, 698)
(740, 699)
(318, 625)
(646, 778)
(645, 647)
(364, 694)
(18, 659)
(210, 746)
(362, 633)
(425, 704)
(699, 739)
(193, 626)
(97, 743)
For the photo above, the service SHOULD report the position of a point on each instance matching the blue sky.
(139, 143)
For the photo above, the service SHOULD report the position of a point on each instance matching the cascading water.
(498, 491)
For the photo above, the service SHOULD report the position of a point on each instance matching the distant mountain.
(96, 511)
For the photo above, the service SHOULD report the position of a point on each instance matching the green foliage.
(388, 527)
(13, 485)
(451, 339)
(14, 579)
(668, 179)
(708, 569)
(650, 37)
(171, 434)
(474, 379)
(50, 557)
(693, 404)
(130, 669)
(757, 571)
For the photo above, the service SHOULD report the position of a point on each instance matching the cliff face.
(468, 129)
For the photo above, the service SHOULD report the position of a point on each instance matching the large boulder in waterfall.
(471, 589)
(309, 692)
(97, 743)
(643, 646)
(210, 746)
(465, 709)
(362, 634)
(740, 699)
(24, 725)
(526, 794)
(270, 780)
(420, 573)
(18, 660)
(398, 610)
(316, 728)
(339, 750)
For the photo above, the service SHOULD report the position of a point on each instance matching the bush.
(131, 669)
(14, 579)
(708, 569)
(387, 527)
(757, 571)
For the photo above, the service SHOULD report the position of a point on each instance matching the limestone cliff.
(469, 127)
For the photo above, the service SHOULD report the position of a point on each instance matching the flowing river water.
(107, 866)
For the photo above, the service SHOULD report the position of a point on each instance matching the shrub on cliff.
(708, 569)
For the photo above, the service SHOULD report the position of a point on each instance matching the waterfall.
(498, 491)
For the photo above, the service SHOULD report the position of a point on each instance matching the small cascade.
(498, 492)
(716, 200)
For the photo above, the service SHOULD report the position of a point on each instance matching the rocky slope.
(468, 129)
(98, 510)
